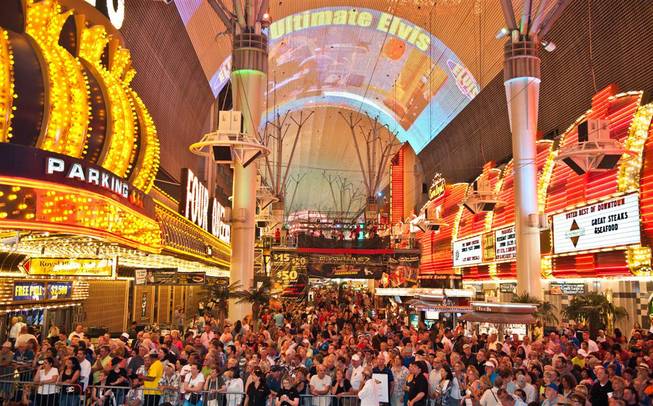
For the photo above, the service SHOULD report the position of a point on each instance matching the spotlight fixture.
(503, 32)
(549, 46)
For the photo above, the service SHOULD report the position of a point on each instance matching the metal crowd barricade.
(104, 395)
(328, 400)
(27, 393)
(17, 392)
(98, 395)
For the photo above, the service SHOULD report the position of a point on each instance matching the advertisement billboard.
(467, 251)
(505, 244)
(610, 223)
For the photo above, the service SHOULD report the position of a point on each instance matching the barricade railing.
(17, 373)
(328, 400)
(29, 393)
(16, 392)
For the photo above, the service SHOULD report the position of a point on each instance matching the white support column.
(248, 83)
(522, 83)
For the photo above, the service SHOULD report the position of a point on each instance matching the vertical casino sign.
(114, 10)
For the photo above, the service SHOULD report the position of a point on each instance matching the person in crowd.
(257, 392)
(154, 367)
(418, 387)
(69, 382)
(369, 392)
(45, 379)
(135, 395)
(337, 350)
(234, 387)
(601, 390)
(193, 386)
(288, 396)
(320, 385)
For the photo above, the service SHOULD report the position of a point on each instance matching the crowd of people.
(338, 351)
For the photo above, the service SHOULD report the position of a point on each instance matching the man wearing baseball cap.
(551, 396)
(357, 370)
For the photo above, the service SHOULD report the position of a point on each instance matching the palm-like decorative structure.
(219, 299)
(259, 297)
(594, 309)
(546, 311)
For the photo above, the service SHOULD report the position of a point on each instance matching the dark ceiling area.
(614, 46)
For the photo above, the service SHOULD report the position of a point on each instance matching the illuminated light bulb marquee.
(129, 146)
(84, 150)
(69, 190)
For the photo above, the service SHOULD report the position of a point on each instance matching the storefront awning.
(498, 318)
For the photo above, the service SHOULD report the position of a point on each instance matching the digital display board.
(467, 251)
(505, 245)
(371, 61)
(36, 291)
(507, 287)
(610, 223)
(358, 58)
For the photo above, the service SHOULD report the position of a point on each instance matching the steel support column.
(249, 81)
(522, 83)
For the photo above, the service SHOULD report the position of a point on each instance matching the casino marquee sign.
(78, 149)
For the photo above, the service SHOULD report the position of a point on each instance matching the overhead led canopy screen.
(363, 59)
(371, 61)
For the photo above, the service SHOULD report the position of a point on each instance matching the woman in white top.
(234, 387)
(46, 376)
(193, 385)
(449, 388)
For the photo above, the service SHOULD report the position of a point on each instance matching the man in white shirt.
(16, 326)
(369, 393)
(446, 340)
(528, 388)
(320, 385)
(85, 367)
(79, 332)
(207, 336)
(435, 377)
(24, 336)
(600, 337)
(592, 346)
(356, 376)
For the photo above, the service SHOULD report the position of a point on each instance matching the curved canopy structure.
(412, 67)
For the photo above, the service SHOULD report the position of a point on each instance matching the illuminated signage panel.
(505, 244)
(557, 288)
(59, 290)
(27, 291)
(467, 251)
(113, 9)
(323, 57)
(197, 207)
(69, 267)
(611, 223)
